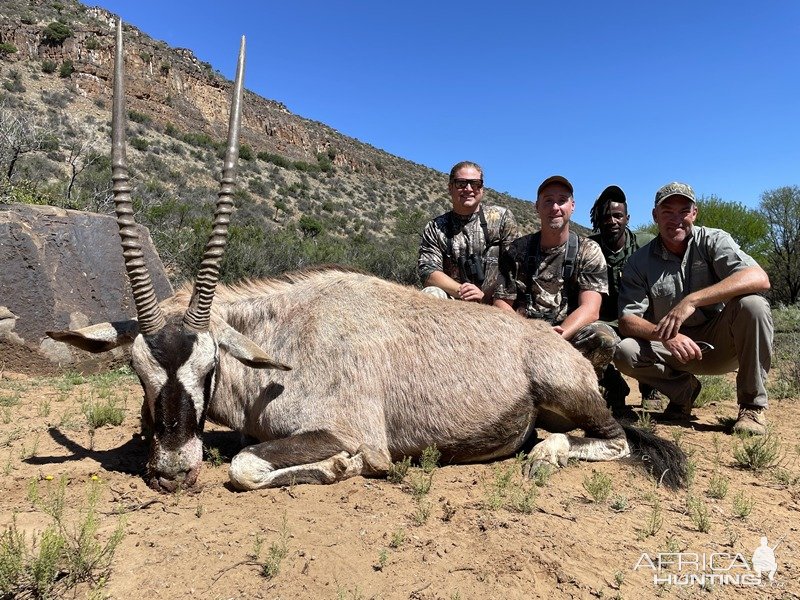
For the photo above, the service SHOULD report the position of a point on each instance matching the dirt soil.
(371, 539)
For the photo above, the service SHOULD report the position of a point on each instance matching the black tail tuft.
(663, 458)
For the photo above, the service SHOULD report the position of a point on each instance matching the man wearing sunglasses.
(559, 277)
(459, 250)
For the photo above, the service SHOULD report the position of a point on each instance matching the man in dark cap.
(690, 303)
(609, 218)
(559, 276)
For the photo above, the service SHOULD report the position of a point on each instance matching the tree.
(781, 208)
(747, 226)
(55, 33)
(19, 134)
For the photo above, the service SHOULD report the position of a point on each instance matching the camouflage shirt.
(547, 283)
(450, 236)
(615, 261)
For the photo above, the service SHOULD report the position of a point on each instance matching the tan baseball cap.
(674, 189)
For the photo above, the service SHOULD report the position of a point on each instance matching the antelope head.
(175, 356)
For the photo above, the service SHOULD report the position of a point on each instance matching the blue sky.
(632, 93)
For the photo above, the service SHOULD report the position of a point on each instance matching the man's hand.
(670, 325)
(683, 348)
(469, 292)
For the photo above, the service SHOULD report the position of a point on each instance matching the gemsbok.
(337, 373)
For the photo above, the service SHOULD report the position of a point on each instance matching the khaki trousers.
(742, 338)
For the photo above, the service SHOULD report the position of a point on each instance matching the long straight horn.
(198, 315)
(151, 319)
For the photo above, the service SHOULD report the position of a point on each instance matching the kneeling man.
(689, 305)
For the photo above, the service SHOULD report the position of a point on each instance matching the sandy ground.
(372, 539)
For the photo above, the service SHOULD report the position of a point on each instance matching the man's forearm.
(444, 282)
(635, 326)
(751, 280)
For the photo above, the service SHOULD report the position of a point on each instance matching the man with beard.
(609, 218)
(690, 303)
(559, 276)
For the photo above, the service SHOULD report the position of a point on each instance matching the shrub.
(245, 152)
(138, 117)
(49, 66)
(55, 33)
(92, 43)
(67, 69)
(7, 48)
(140, 143)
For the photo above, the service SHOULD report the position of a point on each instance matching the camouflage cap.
(555, 179)
(674, 189)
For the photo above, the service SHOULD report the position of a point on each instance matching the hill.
(322, 195)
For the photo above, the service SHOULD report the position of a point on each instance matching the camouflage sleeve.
(509, 271)
(591, 268)
(431, 255)
(509, 231)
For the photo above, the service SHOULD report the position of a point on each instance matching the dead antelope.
(379, 371)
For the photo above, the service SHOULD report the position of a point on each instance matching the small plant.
(619, 578)
(645, 421)
(654, 521)
(430, 459)
(742, 505)
(698, 513)
(63, 555)
(103, 413)
(383, 558)
(199, 510)
(498, 488)
(398, 538)
(421, 483)
(448, 511)
(598, 486)
(399, 470)
(619, 503)
(718, 486)
(716, 388)
(7, 48)
(422, 512)
(540, 473)
(523, 498)
(67, 68)
(278, 550)
(49, 66)
(140, 143)
(9, 400)
(758, 452)
(214, 456)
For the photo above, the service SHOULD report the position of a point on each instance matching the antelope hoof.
(554, 450)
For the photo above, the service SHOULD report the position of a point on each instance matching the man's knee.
(754, 306)
(625, 354)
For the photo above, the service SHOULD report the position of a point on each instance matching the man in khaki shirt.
(689, 305)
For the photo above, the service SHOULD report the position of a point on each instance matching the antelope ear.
(100, 337)
(246, 350)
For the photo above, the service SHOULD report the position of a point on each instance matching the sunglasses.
(463, 183)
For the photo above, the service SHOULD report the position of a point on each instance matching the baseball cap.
(674, 189)
(555, 179)
(613, 193)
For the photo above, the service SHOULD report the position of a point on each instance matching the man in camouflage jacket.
(534, 282)
(459, 250)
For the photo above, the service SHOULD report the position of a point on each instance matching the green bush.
(55, 33)
(140, 143)
(67, 69)
(49, 66)
(7, 48)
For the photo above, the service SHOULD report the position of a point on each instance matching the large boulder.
(63, 269)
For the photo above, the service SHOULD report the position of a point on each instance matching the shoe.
(652, 400)
(679, 412)
(675, 412)
(751, 420)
